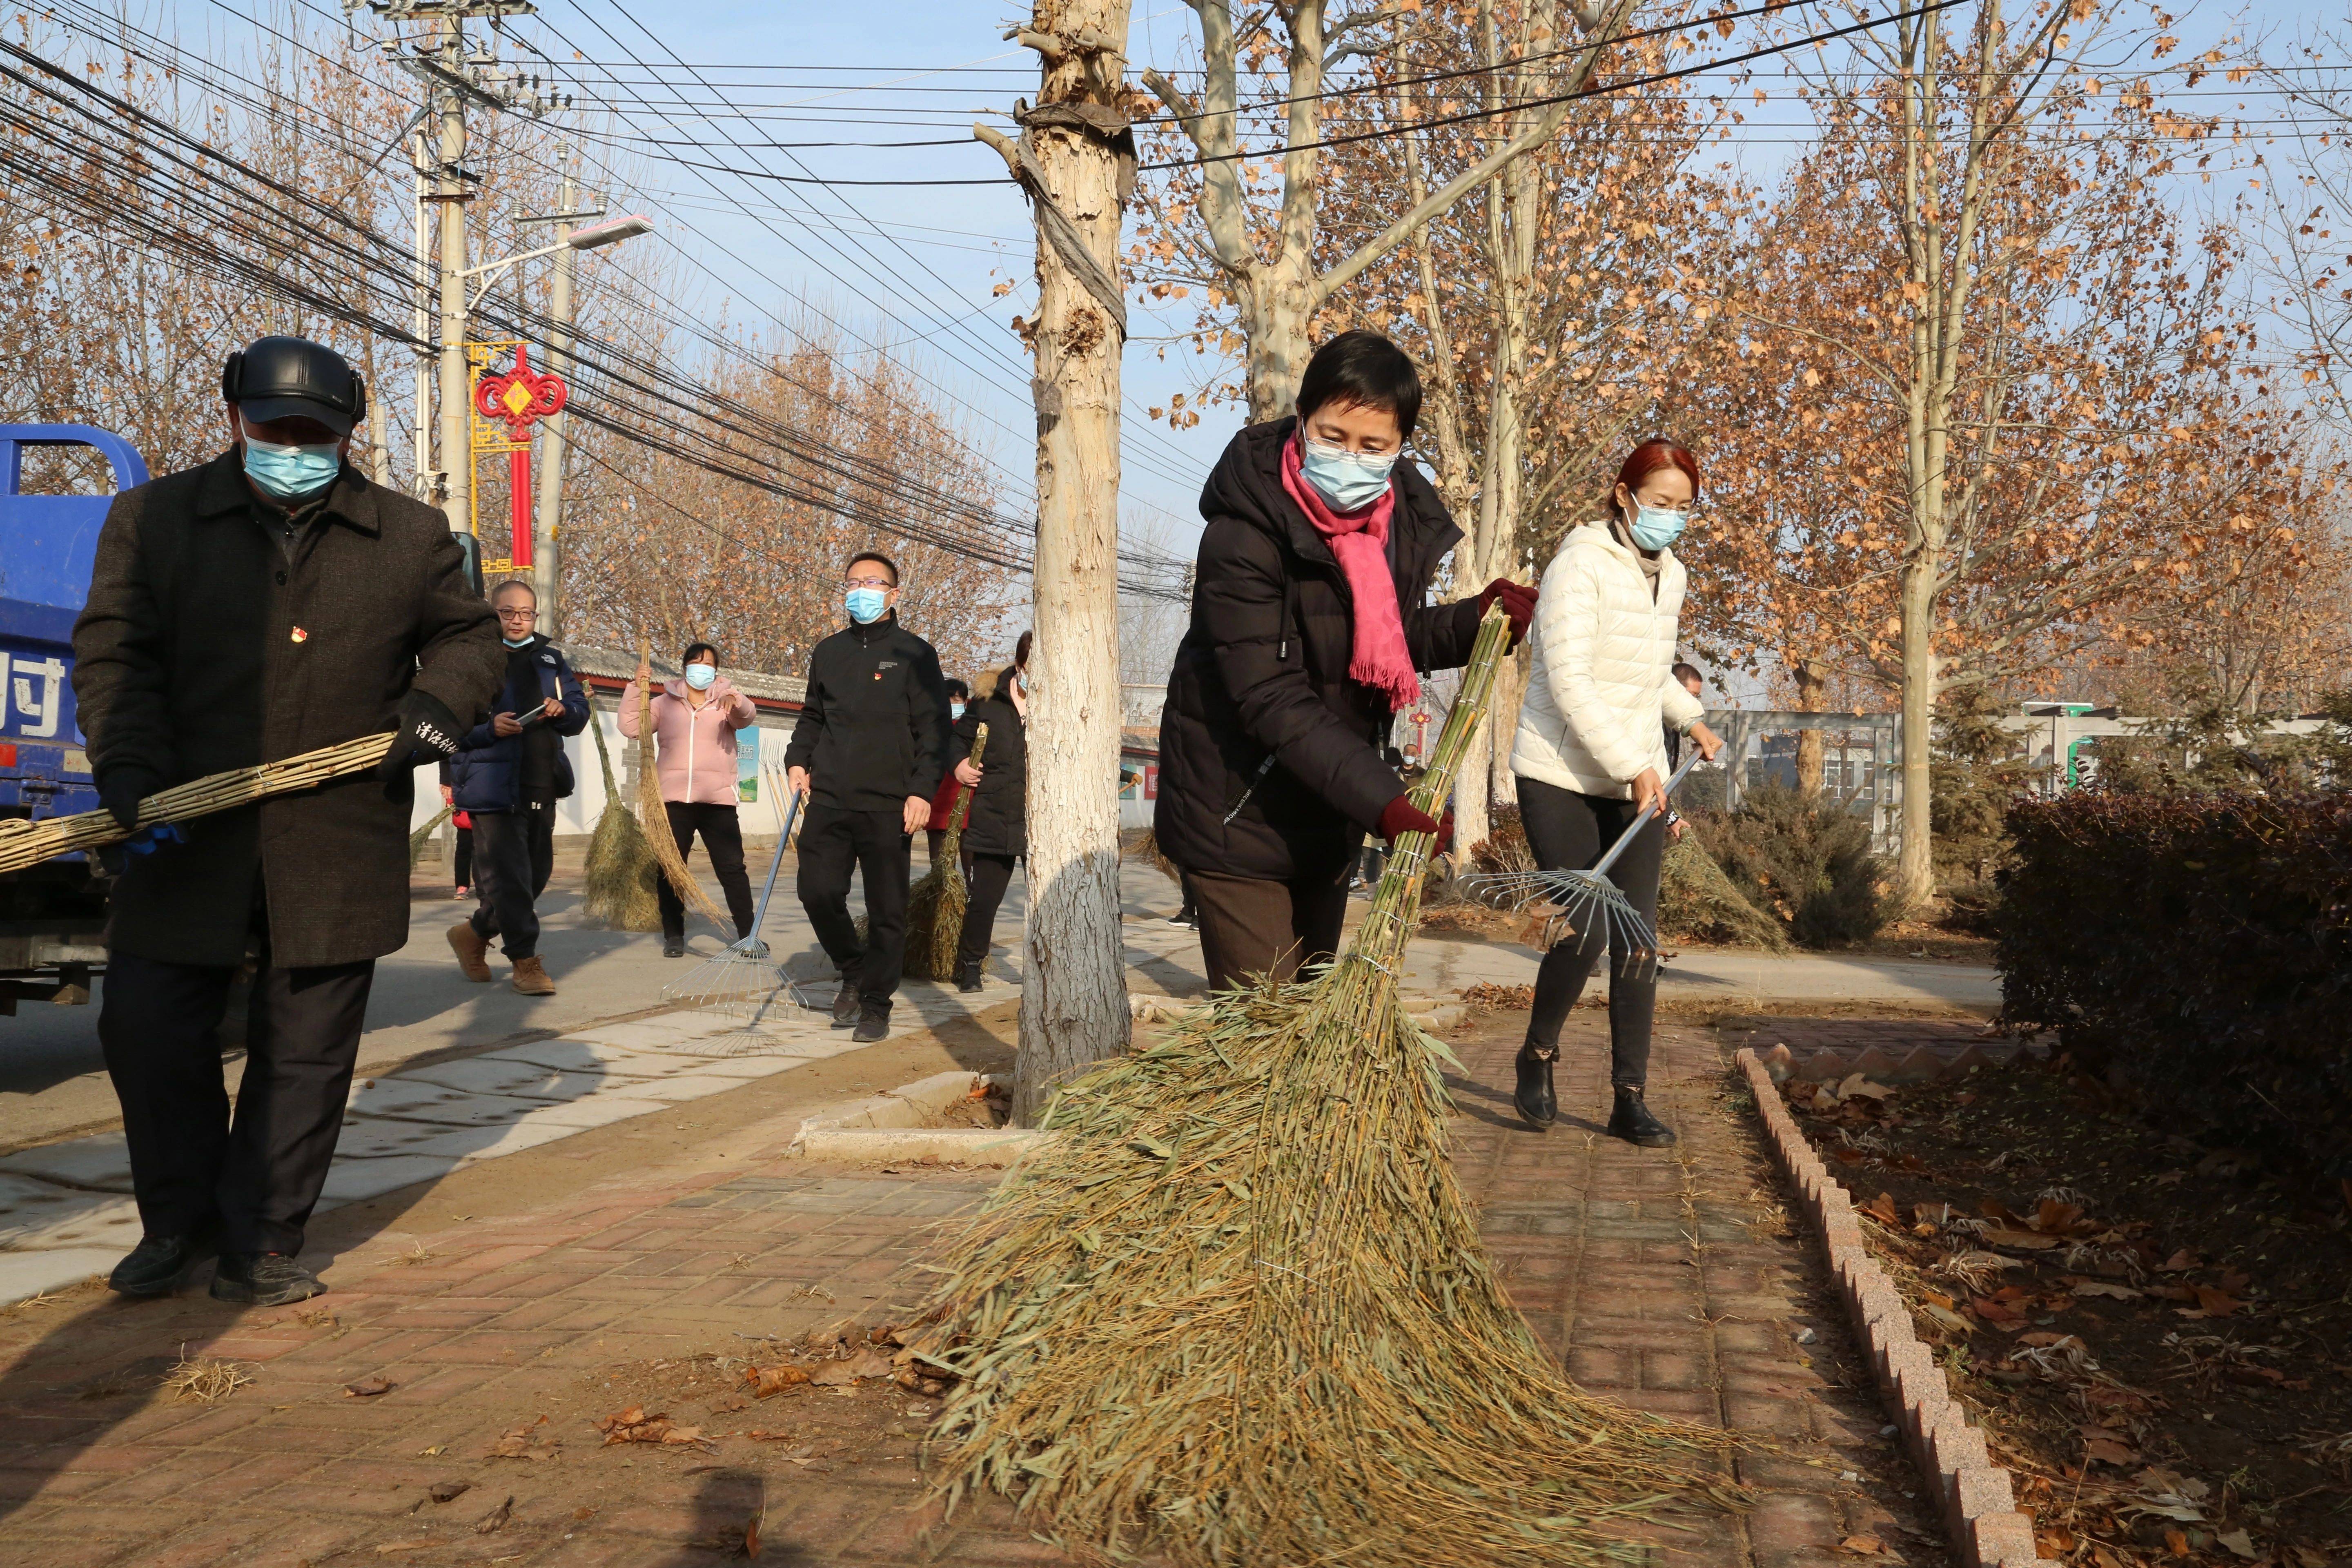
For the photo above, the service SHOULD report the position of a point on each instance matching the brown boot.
(530, 977)
(472, 949)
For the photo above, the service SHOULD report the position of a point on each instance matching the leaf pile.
(634, 1425)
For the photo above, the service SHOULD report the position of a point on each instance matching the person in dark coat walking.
(996, 833)
(508, 774)
(867, 751)
(265, 603)
(1309, 627)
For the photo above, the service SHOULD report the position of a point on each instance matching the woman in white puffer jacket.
(1591, 754)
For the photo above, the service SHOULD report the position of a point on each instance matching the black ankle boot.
(1534, 1096)
(1631, 1120)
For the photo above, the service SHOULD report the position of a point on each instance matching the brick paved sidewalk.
(1661, 1275)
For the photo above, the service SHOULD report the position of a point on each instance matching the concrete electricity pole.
(550, 497)
(456, 405)
(1075, 159)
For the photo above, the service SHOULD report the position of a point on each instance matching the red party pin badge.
(301, 635)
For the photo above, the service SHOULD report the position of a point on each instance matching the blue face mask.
(1349, 481)
(291, 473)
(516, 642)
(1657, 526)
(700, 676)
(865, 605)
(956, 710)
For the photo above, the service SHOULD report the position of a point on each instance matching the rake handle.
(1600, 867)
(775, 863)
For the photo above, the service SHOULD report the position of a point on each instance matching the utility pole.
(550, 571)
(1075, 159)
(427, 477)
(456, 405)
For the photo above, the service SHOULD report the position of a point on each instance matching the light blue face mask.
(517, 642)
(865, 605)
(291, 473)
(1349, 481)
(1657, 526)
(700, 676)
(955, 710)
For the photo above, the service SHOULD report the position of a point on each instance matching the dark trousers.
(464, 857)
(877, 845)
(722, 838)
(1250, 927)
(1569, 832)
(985, 882)
(514, 851)
(258, 1173)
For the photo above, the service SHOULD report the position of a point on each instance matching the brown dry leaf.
(2102, 1288)
(751, 1534)
(2029, 1240)
(2104, 1558)
(2217, 1303)
(524, 1443)
(2177, 1263)
(767, 1380)
(2175, 1543)
(2109, 1451)
(369, 1387)
(1862, 1544)
(2238, 1543)
(448, 1492)
(496, 1520)
(864, 1364)
(1881, 1209)
(2054, 1218)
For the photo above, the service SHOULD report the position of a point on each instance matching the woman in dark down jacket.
(1308, 626)
(996, 834)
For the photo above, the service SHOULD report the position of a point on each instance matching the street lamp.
(596, 236)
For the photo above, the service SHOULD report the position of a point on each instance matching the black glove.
(428, 733)
(120, 789)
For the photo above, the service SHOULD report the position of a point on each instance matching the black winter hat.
(288, 378)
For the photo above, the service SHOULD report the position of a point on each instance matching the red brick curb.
(1979, 1510)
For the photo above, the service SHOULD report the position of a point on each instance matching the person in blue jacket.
(508, 774)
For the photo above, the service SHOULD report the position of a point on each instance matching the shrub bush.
(1803, 858)
(2199, 947)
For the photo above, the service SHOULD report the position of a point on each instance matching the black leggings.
(1569, 832)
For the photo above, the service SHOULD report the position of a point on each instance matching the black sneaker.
(845, 1005)
(873, 1023)
(967, 977)
(1180, 918)
(156, 1265)
(1631, 1120)
(673, 947)
(262, 1279)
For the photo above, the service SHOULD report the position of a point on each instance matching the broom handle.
(1600, 867)
(783, 839)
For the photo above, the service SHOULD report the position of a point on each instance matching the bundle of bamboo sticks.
(27, 843)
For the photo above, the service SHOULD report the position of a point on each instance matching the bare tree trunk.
(1076, 161)
(1812, 682)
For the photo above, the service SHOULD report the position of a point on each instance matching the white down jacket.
(1601, 693)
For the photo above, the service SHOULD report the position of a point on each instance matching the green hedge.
(2202, 945)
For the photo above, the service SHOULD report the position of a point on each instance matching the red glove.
(1400, 816)
(1518, 601)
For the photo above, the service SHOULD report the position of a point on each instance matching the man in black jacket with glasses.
(867, 751)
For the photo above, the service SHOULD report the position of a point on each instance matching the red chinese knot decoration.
(520, 399)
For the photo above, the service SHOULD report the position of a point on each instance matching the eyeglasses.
(518, 612)
(883, 583)
(1684, 509)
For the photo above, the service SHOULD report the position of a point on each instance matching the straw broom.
(654, 816)
(27, 843)
(619, 892)
(1238, 1310)
(935, 905)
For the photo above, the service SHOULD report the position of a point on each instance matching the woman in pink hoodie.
(695, 720)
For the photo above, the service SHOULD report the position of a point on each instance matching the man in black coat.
(267, 602)
(508, 774)
(996, 828)
(867, 751)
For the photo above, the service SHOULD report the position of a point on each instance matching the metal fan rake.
(1586, 901)
(742, 981)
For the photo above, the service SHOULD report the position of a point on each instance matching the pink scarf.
(1359, 540)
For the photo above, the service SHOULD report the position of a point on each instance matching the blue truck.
(51, 914)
